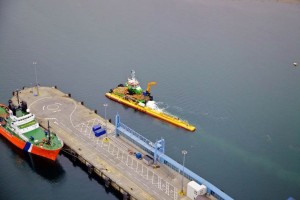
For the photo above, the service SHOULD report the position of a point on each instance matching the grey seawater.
(225, 66)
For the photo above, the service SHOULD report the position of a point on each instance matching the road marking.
(50, 118)
(56, 111)
(39, 100)
(53, 107)
(86, 127)
(43, 107)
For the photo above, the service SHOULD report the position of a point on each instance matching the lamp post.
(31, 87)
(184, 152)
(105, 105)
(36, 82)
(17, 93)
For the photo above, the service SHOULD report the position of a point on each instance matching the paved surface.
(73, 123)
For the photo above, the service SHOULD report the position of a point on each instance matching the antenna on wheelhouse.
(132, 74)
(49, 134)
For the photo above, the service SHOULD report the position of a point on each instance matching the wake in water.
(180, 111)
(177, 111)
(163, 106)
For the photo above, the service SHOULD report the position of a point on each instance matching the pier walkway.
(112, 159)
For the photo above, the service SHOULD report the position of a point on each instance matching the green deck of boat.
(19, 113)
(39, 135)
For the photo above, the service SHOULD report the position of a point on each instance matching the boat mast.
(49, 134)
(132, 75)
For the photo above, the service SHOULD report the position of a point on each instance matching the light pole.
(36, 82)
(17, 91)
(105, 105)
(184, 152)
(31, 87)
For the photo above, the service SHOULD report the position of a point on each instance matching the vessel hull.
(154, 113)
(29, 147)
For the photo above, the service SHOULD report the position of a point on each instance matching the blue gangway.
(157, 149)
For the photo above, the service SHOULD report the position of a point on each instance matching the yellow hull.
(154, 113)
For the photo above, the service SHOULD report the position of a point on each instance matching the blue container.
(100, 132)
(96, 127)
(138, 155)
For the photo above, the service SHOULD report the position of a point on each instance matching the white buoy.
(295, 64)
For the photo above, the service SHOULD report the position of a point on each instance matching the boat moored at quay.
(131, 94)
(21, 128)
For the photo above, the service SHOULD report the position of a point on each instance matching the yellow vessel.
(133, 96)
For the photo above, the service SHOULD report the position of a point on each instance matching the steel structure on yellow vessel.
(149, 86)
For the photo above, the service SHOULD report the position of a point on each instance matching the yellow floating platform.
(160, 115)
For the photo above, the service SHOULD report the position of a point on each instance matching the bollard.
(90, 169)
(125, 196)
(107, 182)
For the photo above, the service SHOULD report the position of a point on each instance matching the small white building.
(194, 190)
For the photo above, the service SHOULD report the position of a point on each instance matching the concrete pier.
(111, 159)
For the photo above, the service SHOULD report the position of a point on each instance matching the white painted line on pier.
(121, 166)
(70, 116)
(50, 118)
(71, 130)
(111, 160)
(145, 185)
(53, 107)
(137, 178)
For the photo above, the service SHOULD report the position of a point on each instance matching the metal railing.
(123, 156)
(140, 168)
(136, 138)
(146, 145)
